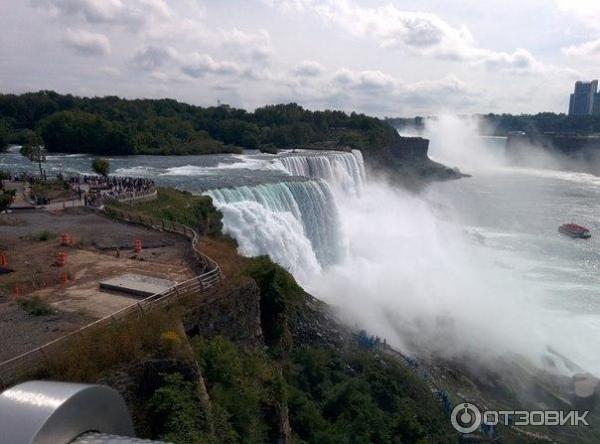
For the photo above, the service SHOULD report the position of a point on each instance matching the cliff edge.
(405, 160)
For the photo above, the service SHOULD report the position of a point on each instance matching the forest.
(503, 124)
(116, 126)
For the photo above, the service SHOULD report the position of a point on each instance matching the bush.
(269, 148)
(245, 388)
(7, 197)
(35, 306)
(101, 166)
(4, 134)
(176, 409)
(43, 236)
(279, 294)
(170, 342)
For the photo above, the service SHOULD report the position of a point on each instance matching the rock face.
(405, 160)
(233, 313)
(408, 148)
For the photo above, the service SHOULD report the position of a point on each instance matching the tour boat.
(575, 231)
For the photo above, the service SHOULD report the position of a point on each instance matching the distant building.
(585, 100)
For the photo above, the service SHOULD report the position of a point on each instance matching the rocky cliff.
(263, 361)
(405, 160)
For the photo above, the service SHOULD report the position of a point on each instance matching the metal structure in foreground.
(46, 412)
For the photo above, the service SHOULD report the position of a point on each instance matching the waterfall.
(342, 171)
(295, 222)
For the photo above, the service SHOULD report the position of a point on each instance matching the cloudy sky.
(382, 57)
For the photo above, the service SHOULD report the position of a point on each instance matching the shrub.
(269, 148)
(170, 341)
(43, 236)
(245, 388)
(176, 409)
(101, 166)
(35, 306)
(7, 197)
(279, 293)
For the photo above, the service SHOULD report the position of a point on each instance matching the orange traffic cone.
(65, 239)
(61, 258)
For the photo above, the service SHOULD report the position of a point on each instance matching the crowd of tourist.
(95, 189)
(92, 190)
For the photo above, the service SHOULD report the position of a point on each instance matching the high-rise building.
(583, 98)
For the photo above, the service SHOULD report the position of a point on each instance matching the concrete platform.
(137, 284)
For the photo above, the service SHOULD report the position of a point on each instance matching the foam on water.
(343, 171)
(296, 223)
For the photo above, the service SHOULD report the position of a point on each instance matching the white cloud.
(418, 33)
(110, 71)
(87, 43)
(156, 60)
(308, 68)
(152, 57)
(586, 11)
(251, 46)
(365, 80)
(198, 65)
(583, 50)
(123, 12)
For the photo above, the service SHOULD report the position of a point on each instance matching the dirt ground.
(30, 240)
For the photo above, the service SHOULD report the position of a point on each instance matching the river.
(474, 266)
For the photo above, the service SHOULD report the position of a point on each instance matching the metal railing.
(134, 196)
(210, 277)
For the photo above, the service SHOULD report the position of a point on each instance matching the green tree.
(34, 150)
(7, 197)
(101, 166)
(4, 134)
(3, 176)
(176, 410)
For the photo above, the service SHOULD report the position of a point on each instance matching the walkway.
(20, 199)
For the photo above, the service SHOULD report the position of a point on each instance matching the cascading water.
(342, 171)
(295, 222)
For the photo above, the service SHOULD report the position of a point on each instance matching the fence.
(142, 196)
(210, 277)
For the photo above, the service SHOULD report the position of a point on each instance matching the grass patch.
(51, 190)
(43, 236)
(11, 221)
(35, 306)
(83, 358)
(182, 207)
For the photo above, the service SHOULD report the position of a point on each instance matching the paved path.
(56, 206)
(20, 200)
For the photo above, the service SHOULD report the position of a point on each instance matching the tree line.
(503, 124)
(113, 126)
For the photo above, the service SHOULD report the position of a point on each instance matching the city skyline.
(585, 100)
(386, 58)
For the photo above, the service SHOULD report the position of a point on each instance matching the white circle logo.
(466, 417)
